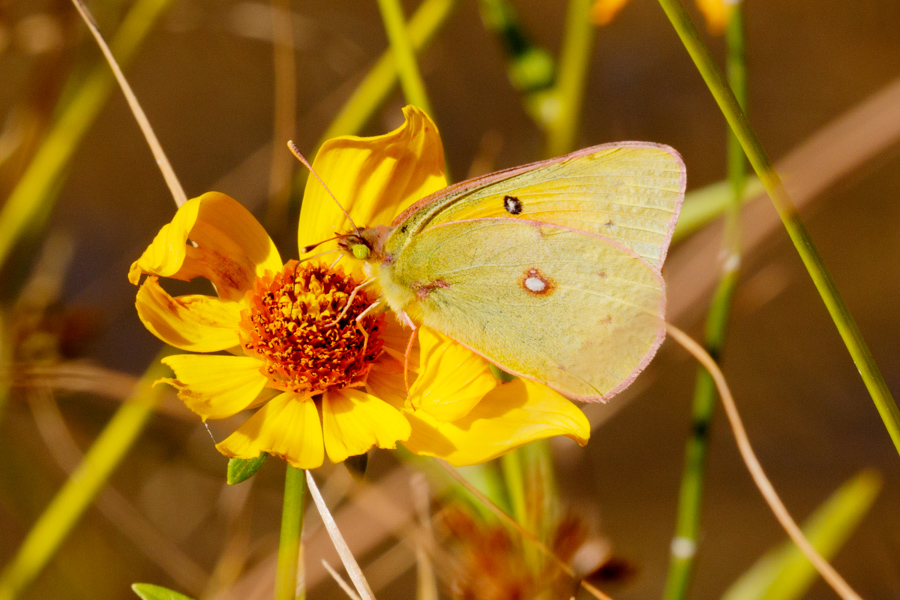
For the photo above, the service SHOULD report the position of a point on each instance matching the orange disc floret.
(297, 322)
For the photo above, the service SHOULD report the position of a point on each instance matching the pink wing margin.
(490, 178)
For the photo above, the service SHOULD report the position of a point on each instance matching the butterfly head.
(366, 243)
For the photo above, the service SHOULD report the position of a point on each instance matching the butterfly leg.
(412, 338)
(350, 303)
(359, 324)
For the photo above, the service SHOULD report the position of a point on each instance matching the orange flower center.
(297, 322)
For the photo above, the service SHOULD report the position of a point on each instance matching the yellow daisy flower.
(288, 345)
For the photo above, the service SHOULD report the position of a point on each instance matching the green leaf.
(784, 573)
(148, 591)
(241, 469)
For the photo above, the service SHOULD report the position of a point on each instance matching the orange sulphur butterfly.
(550, 270)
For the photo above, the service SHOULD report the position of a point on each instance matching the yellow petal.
(354, 421)
(396, 341)
(511, 415)
(604, 11)
(374, 178)
(215, 387)
(287, 426)
(452, 379)
(385, 381)
(717, 14)
(232, 248)
(195, 323)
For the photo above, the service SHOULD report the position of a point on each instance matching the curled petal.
(452, 379)
(287, 426)
(374, 178)
(511, 415)
(195, 323)
(215, 387)
(354, 421)
(231, 247)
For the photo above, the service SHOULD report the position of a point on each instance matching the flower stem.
(575, 59)
(291, 528)
(687, 525)
(404, 54)
(85, 482)
(822, 279)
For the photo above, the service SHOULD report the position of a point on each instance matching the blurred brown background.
(205, 79)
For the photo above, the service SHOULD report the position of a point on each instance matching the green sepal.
(241, 469)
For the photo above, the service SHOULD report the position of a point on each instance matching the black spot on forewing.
(512, 205)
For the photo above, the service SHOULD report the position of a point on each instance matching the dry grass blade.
(596, 593)
(350, 564)
(827, 572)
(158, 153)
(340, 581)
(284, 121)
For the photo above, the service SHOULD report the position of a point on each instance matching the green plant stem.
(66, 508)
(574, 62)
(291, 529)
(404, 54)
(687, 525)
(810, 256)
(29, 199)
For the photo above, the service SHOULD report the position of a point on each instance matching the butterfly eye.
(361, 251)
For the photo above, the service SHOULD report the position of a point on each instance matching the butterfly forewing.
(568, 308)
(629, 192)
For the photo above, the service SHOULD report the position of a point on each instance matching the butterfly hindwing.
(568, 308)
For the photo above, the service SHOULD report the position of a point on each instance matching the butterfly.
(551, 271)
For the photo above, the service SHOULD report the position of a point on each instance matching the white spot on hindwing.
(535, 284)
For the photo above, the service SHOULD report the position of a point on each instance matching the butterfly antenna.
(311, 247)
(296, 152)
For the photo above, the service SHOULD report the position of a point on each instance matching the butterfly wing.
(628, 192)
(561, 306)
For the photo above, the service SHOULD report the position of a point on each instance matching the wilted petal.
(452, 379)
(196, 323)
(511, 415)
(232, 248)
(287, 426)
(374, 178)
(215, 387)
(354, 421)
